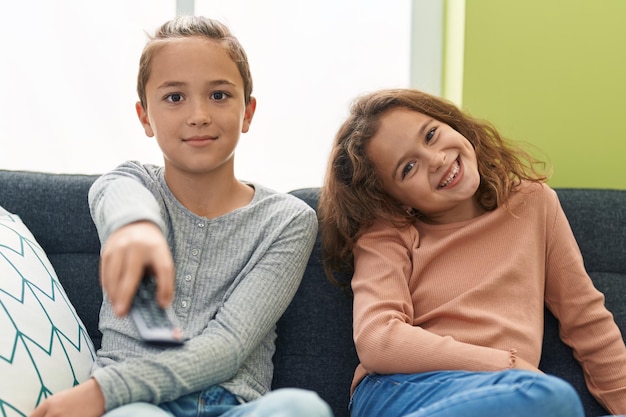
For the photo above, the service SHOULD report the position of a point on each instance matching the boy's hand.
(127, 253)
(84, 400)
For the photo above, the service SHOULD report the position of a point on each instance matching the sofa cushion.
(44, 347)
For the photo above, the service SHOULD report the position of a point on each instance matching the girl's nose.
(437, 160)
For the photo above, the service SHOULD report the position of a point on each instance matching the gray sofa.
(314, 346)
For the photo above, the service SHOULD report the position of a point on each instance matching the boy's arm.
(119, 198)
(127, 253)
(131, 229)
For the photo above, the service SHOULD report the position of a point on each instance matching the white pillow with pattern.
(44, 346)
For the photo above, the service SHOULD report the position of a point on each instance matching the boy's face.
(195, 106)
(426, 165)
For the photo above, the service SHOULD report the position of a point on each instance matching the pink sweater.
(470, 296)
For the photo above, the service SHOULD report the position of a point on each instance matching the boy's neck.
(210, 197)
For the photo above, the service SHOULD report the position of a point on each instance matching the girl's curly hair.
(352, 196)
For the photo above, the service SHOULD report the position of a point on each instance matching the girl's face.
(195, 107)
(426, 165)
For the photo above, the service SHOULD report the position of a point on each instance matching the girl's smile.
(453, 176)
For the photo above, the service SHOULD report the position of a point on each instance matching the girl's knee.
(558, 387)
(559, 393)
(298, 402)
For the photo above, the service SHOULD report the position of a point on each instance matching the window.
(69, 72)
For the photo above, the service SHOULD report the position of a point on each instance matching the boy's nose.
(200, 115)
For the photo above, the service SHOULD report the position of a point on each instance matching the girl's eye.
(219, 96)
(430, 135)
(174, 97)
(407, 168)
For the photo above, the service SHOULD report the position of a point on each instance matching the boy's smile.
(426, 165)
(200, 140)
(195, 106)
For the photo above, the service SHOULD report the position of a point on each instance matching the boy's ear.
(248, 114)
(143, 118)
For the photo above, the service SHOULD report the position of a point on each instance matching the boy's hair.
(193, 26)
(353, 196)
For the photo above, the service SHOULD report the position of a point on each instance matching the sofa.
(314, 346)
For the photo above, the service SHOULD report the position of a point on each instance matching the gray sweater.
(235, 276)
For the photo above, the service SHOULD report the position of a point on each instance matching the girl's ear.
(248, 114)
(143, 119)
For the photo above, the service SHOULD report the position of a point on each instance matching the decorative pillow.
(44, 346)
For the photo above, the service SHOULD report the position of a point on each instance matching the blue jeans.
(511, 393)
(216, 401)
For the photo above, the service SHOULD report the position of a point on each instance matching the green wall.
(552, 73)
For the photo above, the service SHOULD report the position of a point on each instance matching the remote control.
(156, 326)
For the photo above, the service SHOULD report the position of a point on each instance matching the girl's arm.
(386, 338)
(585, 323)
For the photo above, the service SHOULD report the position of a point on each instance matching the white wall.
(68, 69)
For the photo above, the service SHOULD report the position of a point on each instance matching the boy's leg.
(138, 410)
(285, 402)
(512, 393)
(214, 401)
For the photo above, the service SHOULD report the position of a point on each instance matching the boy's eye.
(431, 134)
(219, 96)
(174, 97)
(407, 168)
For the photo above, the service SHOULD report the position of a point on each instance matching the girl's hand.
(84, 400)
(126, 255)
(522, 364)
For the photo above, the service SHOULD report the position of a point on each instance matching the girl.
(233, 251)
(455, 244)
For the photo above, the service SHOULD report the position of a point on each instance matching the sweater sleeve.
(386, 339)
(585, 323)
(120, 197)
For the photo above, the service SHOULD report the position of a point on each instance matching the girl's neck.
(471, 211)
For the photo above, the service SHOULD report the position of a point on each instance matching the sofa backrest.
(314, 346)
